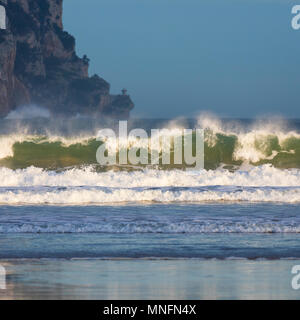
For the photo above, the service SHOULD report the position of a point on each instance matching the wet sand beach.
(149, 279)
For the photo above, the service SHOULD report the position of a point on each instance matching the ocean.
(58, 207)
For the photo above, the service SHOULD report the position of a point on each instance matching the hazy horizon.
(178, 58)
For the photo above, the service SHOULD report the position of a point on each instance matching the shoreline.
(148, 279)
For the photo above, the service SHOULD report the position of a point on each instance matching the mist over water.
(28, 112)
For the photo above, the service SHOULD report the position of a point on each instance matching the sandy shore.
(149, 279)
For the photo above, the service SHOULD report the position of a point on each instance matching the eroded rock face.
(39, 65)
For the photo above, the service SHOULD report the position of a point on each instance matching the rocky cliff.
(39, 65)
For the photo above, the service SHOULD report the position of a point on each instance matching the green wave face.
(229, 151)
(51, 155)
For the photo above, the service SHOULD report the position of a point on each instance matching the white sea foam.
(78, 196)
(265, 175)
(79, 186)
(151, 227)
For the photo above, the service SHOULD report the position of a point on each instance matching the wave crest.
(87, 186)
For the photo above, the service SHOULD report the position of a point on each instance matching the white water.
(252, 144)
(96, 196)
(151, 227)
(85, 186)
(265, 175)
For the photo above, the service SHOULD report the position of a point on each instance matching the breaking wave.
(230, 144)
(87, 186)
(253, 162)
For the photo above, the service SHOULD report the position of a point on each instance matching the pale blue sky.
(236, 58)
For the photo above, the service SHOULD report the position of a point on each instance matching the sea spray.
(228, 144)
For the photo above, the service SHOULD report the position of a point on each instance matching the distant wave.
(221, 226)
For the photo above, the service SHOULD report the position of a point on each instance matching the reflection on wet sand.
(149, 279)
